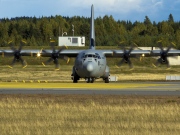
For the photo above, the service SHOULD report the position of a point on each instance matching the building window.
(74, 40)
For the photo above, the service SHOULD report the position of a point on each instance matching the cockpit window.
(90, 55)
(96, 55)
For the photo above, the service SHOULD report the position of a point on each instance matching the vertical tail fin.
(92, 30)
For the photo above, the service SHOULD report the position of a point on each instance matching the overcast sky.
(156, 10)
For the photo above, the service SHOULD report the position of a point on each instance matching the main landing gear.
(106, 80)
(75, 77)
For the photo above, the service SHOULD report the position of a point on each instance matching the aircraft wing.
(170, 53)
(23, 52)
(1, 51)
(107, 53)
(68, 53)
(134, 53)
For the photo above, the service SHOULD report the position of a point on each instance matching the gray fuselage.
(91, 64)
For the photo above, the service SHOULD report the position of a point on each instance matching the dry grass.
(38, 72)
(89, 114)
(35, 73)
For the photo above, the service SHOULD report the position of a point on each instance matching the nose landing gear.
(90, 80)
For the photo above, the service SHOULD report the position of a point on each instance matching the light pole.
(73, 29)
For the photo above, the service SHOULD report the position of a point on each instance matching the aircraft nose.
(90, 67)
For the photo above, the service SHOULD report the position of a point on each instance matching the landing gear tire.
(75, 78)
(90, 80)
(106, 80)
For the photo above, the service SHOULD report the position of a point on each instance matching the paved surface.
(139, 88)
(101, 92)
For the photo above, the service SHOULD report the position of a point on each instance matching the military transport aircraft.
(90, 64)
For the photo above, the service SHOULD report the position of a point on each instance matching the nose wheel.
(90, 80)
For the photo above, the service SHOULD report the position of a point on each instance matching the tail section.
(92, 32)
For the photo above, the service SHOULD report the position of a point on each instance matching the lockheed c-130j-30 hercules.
(91, 64)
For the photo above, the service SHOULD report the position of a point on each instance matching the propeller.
(163, 56)
(17, 54)
(55, 55)
(126, 57)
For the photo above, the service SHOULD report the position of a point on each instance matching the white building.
(71, 41)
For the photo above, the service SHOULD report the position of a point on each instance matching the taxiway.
(129, 88)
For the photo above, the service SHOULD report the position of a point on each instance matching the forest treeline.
(109, 32)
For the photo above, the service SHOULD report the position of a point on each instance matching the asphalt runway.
(135, 88)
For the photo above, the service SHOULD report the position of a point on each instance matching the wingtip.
(159, 41)
(10, 66)
(154, 65)
(25, 66)
(131, 69)
(56, 69)
(173, 44)
(10, 42)
(66, 46)
(43, 64)
(116, 66)
(23, 41)
(68, 60)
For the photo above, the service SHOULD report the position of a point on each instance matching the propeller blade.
(126, 56)
(121, 62)
(22, 61)
(167, 62)
(55, 55)
(158, 62)
(163, 55)
(130, 64)
(17, 54)
(62, 48)
(49, 60)
(56, 62)
(67, 59)
(161, 48)
(44, 51)
(169, 48)
(12, 46)
(21, 44)
(13, 62)
(130, 50)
